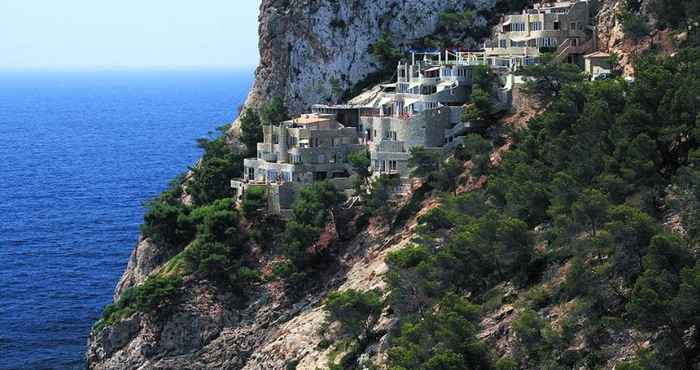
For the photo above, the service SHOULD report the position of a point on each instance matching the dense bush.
(166, 220)
(274, 112)
(251, 132)
(149, 297)
(211, 177)
(385, 53)
(312, 210)
(219, 248)
(254, 202)
(355, 311)
(445, 339)
(588, 174)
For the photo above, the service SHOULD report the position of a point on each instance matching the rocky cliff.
(311, 51)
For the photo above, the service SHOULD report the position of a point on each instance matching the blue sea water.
(79, 154)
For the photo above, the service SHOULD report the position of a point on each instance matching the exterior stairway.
(567, 48)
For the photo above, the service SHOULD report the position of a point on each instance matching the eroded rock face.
(146, 258)
(311, 51)
(207, 330)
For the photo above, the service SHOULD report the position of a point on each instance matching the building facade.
(422, 109)
(563, 28)
(312, 147)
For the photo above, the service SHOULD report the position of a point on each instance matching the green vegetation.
(360, 162)
(385, 53)
(274, 112)
(635, 25)
(675, 13)
(376, 201)
(167, 220)
(155, 294)
(356, 313)
(444, 339)
(546, 80)
(216, 254)
(251, 131)
(211, 177)
(588, 175)
(254, 202)
(312, 209)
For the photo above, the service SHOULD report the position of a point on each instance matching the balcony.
(269, 157)
(390, 146)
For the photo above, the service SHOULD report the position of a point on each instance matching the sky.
(148, 34)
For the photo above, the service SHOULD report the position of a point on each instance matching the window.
(383, 168)
(556, 25)
(536, 26)
(392, 165)
(502, 43)
(517, 27)
(573, 26)
(548, 42)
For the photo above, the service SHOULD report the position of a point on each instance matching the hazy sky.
(60, 34)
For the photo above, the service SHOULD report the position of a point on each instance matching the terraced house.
(422, 109)
(563, 28)
(309, 148)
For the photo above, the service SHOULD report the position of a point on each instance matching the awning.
(432, 69)
(522, 38)
(507, 22)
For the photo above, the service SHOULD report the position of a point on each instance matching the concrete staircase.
(567, 48)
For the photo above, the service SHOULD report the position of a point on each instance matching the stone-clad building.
(422, 109)
(563, 28)
(297, 152)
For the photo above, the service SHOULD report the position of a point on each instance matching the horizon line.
(200, 68)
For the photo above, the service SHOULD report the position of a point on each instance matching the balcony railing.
(269, 157)
(390, 146)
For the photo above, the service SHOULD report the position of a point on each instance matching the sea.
(80, 153)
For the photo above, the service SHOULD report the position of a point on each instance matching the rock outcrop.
(311, 51)
(146, 258)
(206, 330)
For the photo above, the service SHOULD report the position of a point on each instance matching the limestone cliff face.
(145, 259)
(206, 330)
(311, 51)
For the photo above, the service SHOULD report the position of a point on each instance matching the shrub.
(444, 339)
(356, 311)
(528, 328)
(167, 224)
(211, 178)
(274, 112)
(251, 131)
(254, 201)
(385, 53)
(156, 292)
(635, 25)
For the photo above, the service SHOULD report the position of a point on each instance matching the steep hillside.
(564, 236)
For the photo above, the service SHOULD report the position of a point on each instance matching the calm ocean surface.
(79, 154)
